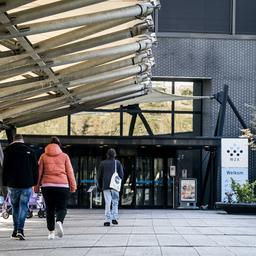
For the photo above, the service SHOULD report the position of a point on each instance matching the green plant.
(244, 193)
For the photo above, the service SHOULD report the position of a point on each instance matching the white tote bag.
(115, 182)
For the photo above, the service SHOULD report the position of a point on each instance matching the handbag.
(115, 182)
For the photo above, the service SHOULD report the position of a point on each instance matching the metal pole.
(55, 102)
(61, 39)
(49, 9)
(118, 74)
(32, 118)
(139, 10)
(11, 4)
(173, 192)
(72, 48)
(222, 111)
(127, 49)
(121, 121)
(78, 34)
(91, 200)
(239, 117)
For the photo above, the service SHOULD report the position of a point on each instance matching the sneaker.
(51, 235)
(14, 234)
(114, 222)
(107, 224)
(59, 229)
(20, 235)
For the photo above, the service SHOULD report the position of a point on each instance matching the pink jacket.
(55, 167)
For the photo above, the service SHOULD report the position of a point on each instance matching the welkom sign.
(234, 163)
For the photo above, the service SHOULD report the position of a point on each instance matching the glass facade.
(57, 126)
(95, 123)
(161, 118)
(245, 17)
(147, 181)
(183, 123)
(226, 17)
(184, 89)
(197, 16)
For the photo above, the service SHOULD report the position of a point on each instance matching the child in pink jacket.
(56, 178)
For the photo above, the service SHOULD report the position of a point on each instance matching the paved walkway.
(140, 232)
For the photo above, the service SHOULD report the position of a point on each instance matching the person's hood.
(52, 150)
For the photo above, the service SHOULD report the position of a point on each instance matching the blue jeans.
(111, 196)
(19, 201)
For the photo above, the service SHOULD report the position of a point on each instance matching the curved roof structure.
(62, 57)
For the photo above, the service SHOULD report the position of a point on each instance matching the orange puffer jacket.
(55, 167)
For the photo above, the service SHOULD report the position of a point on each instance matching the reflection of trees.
(107, 124)
(96, 124)
(186, 91)
(55, 126)
(183, 123)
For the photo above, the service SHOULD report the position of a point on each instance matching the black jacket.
(106, 170)
(20, 168)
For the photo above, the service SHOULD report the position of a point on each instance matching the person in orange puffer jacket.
(56, 179)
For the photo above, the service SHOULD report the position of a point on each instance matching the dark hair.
(55, 140)
(18, 137)
(111, 153)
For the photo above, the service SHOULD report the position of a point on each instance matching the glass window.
(126, 123)
(156, 106)
(95, 123)
(56, 126)
(159, 123)
(184, 89)
(167, 85)
(139, 129)
(245, 17)
(183, 123)
(197, 16)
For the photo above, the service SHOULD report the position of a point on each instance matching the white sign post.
(234, 164)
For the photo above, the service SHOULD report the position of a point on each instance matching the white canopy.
(159, 94)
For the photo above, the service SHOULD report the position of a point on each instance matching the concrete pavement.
(140, 232)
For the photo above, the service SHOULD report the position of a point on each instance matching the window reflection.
(162, 117)
(183, 123)
(95, 123)
(56, 126)
(159, 123)
(184, 89)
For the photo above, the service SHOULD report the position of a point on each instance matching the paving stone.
(140, 232)
(145, 251)
(179, 251)
(214, 251)
(172, 240)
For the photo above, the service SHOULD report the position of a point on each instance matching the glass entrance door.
(153, 187)
(146, 183)
(87, 166)
(159, 182)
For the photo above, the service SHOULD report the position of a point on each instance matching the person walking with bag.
(56, 178)
(20, 173)
(107, 170)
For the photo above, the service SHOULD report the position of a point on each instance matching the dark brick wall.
(231, 62)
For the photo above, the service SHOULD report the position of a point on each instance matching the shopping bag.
(115, 182)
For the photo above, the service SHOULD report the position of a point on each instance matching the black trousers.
(56, 200)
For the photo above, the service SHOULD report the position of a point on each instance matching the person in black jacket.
(111, 196)
(20, 173)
